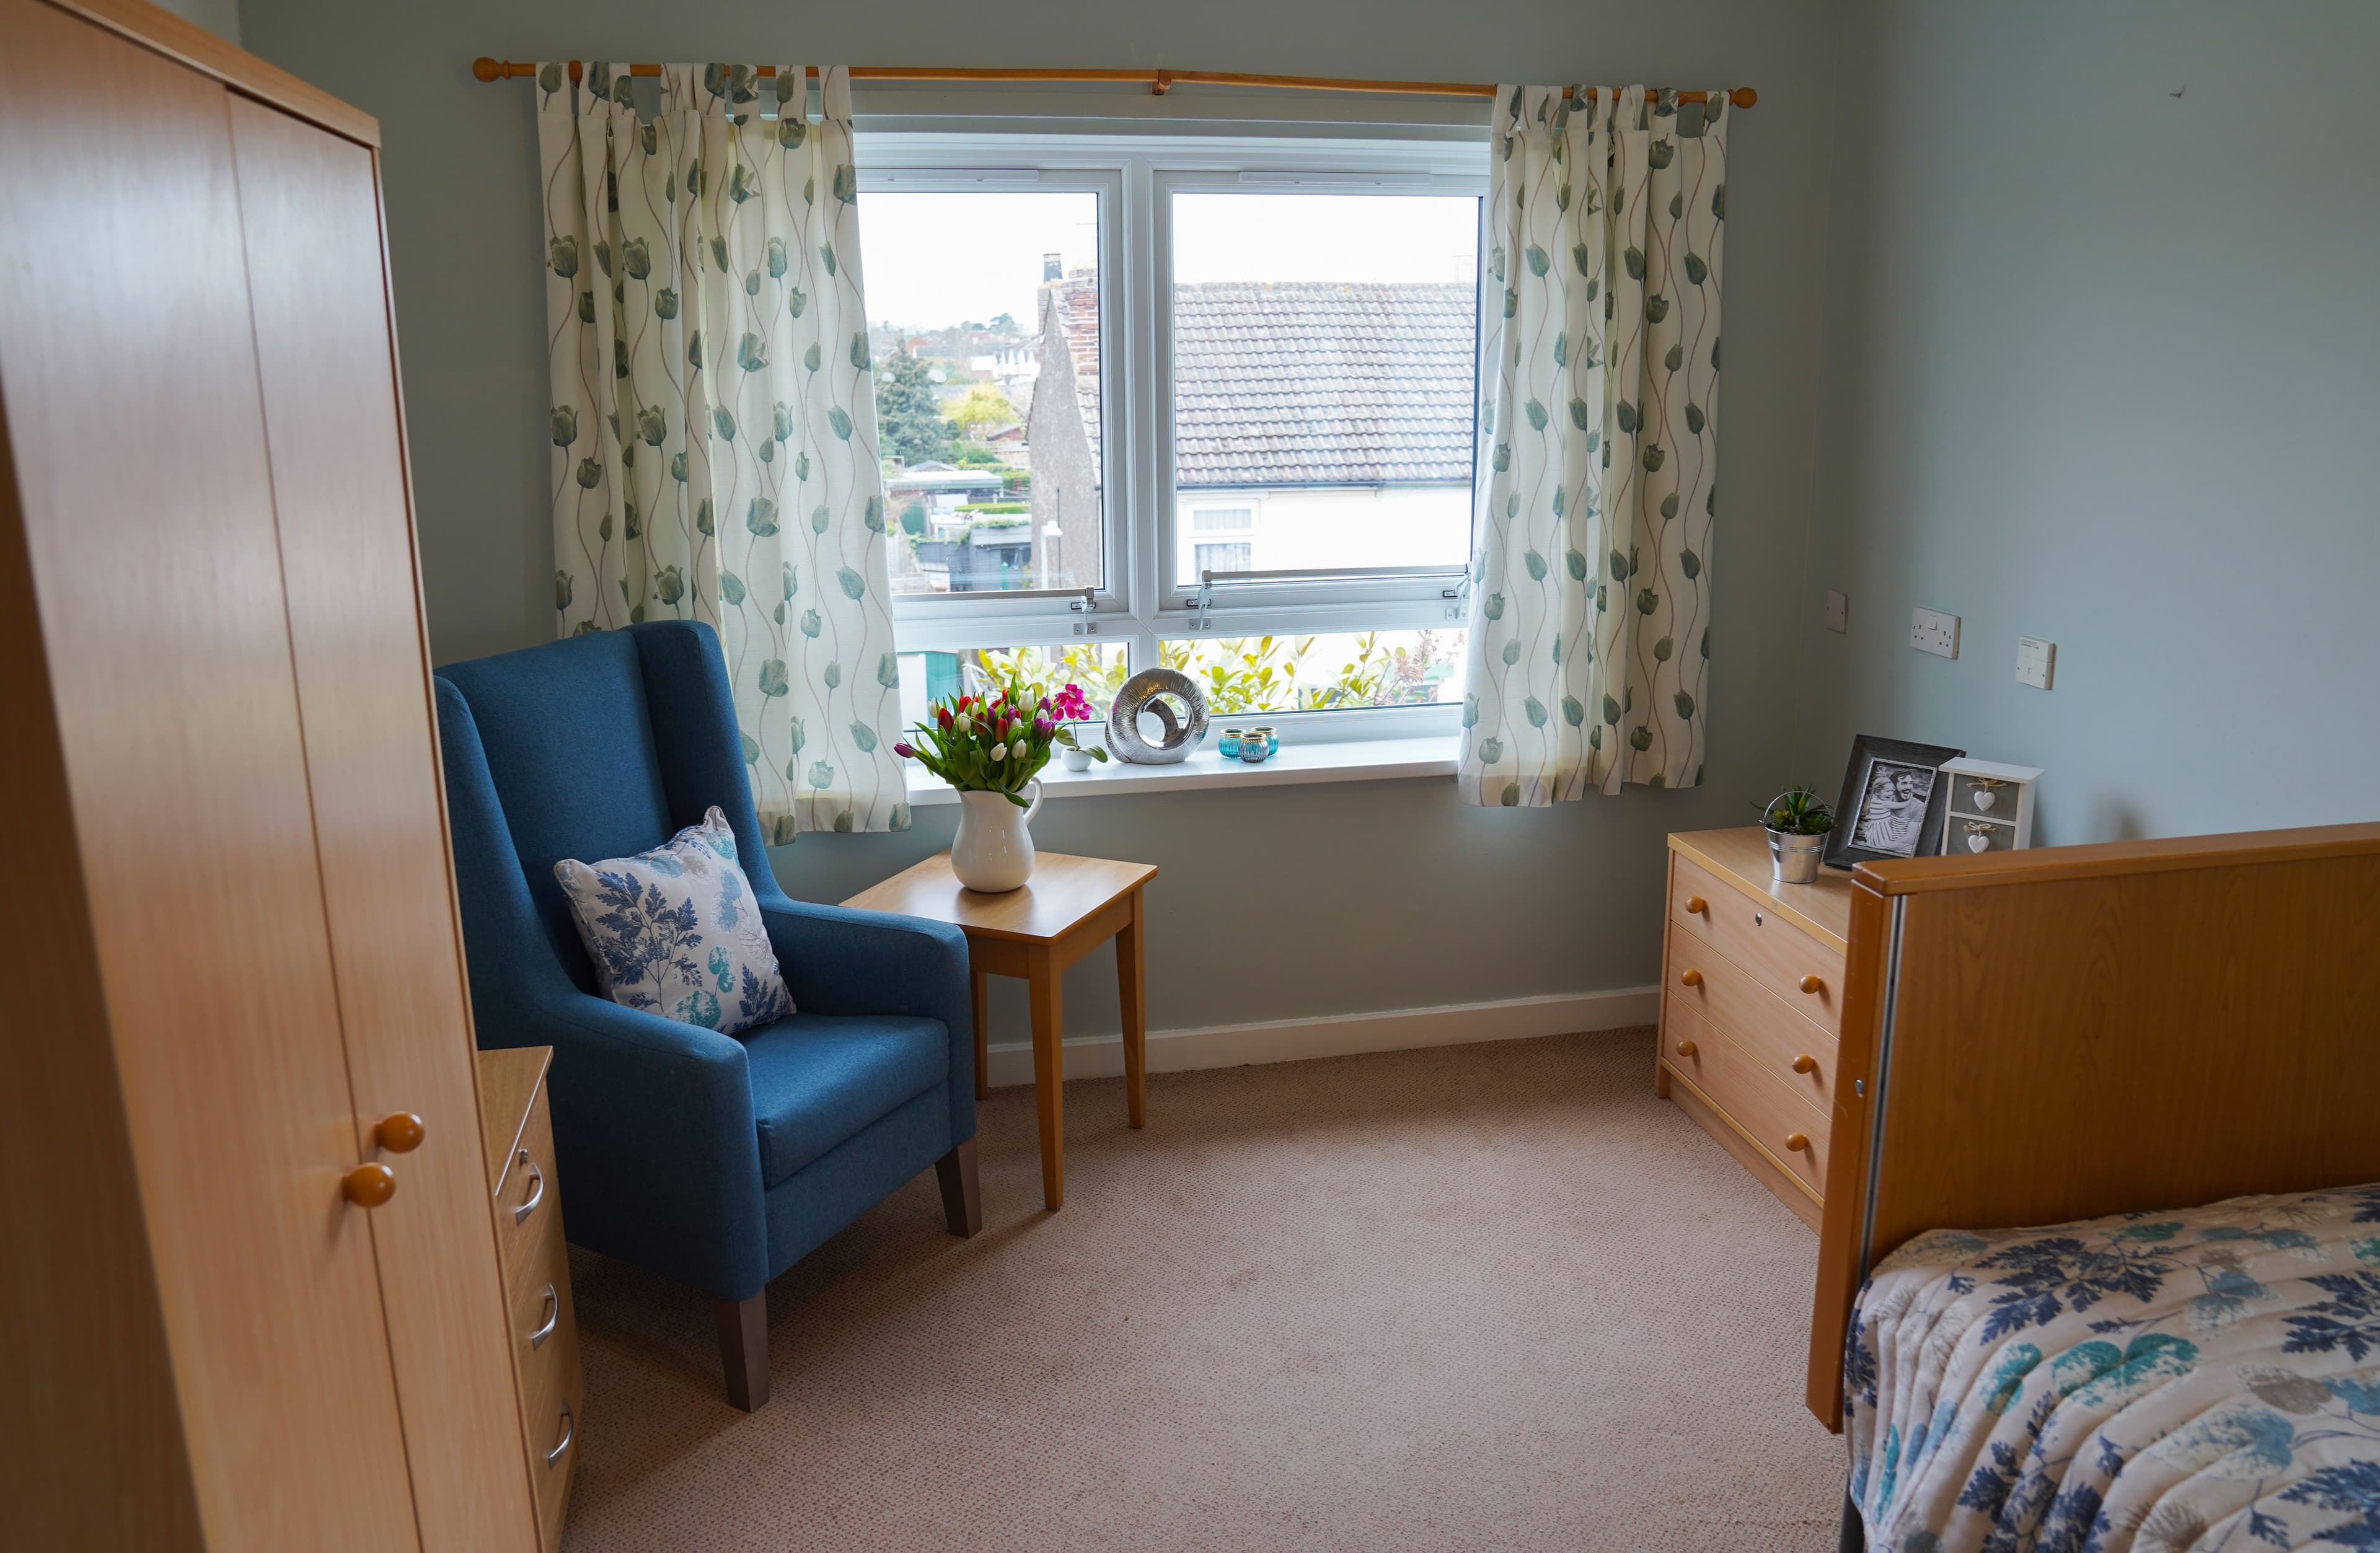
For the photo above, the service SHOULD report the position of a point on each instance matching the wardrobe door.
(310, 204)
(128, 369)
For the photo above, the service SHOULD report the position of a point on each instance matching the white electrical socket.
(1932, 631)
(1839, 612)
(2036, 661)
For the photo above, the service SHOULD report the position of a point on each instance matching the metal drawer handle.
(553, 1318)
(569, 1428)
(536, 1188)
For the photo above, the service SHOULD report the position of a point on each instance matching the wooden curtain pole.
(1159, 81)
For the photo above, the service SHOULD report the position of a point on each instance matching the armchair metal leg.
(744, 1348)
(962, 1196)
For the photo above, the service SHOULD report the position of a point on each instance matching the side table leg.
(1048, 1076)
(982, 989)
(1134, 995)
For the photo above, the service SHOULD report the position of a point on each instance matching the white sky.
(934, 260)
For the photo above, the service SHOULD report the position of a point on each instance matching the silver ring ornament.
(1140, 694)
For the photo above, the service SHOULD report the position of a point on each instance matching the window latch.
(1085, 604)
(1458, 597)
(1205, 600)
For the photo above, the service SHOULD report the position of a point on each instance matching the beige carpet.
(1474, 1297)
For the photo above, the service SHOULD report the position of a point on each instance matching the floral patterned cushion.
(676, 931)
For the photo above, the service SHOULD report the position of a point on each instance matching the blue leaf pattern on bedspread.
(2208, 1380)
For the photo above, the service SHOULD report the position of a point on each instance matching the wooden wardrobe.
(231, 919)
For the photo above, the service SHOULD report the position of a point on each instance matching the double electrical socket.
(1932, 631)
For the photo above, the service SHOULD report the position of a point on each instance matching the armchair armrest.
(660, 1156)
(839, 961)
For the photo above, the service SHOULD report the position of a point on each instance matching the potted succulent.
(1798, 821)
(991, 747)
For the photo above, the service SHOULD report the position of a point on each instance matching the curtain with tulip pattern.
(714, 414)
(1590, 636)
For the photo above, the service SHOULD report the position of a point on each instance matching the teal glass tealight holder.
(1230, 744)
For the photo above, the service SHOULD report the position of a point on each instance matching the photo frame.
(1892, 805)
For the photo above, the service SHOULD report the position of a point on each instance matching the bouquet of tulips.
(998, 742)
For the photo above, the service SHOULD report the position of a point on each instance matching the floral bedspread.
(2203, 1380)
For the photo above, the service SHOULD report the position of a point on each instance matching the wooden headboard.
(2073, 1031)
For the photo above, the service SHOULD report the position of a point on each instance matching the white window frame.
(1140, 602)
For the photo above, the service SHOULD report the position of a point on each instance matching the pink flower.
(903, 749)
(1041, 727)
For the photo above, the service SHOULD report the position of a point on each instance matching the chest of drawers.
(1752, 981)
(519, 1132)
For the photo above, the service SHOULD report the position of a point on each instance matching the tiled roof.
(1314, 382)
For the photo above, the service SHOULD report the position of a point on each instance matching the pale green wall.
(2105, 367)
(218, 17)
(1272, 904)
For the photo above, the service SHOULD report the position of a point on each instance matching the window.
(1225, 558)
(931, 676)
(1248, 454)
(1323, 355)
(989, 427)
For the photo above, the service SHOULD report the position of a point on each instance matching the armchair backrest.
(593, 747)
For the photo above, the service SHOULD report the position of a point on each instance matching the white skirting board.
(1294, 1040)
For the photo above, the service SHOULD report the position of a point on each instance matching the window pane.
(1224, 558)
(984, 319)
(1323, 376)
(928, 677)
(1315, 673)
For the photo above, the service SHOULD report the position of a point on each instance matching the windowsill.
(1293, 765)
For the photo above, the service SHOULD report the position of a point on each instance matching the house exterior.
(936, 552)
(1063, 430)
(1317, 424)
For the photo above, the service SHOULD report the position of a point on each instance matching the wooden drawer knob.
(1812, 984)
(400, 1134)
(369, 1185)
(1687, 1049)
(1696, 905)
(1690, 977)
(1805, 1064)
(1795, 1143)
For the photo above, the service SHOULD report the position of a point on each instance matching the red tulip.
(942, 716)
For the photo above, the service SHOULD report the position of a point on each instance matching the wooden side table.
(1071, 907)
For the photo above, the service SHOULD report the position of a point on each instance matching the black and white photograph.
(1892, 807)
(1893, 802)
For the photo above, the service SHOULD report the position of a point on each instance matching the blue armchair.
(717, 1160)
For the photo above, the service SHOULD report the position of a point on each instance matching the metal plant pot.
(1794, 859)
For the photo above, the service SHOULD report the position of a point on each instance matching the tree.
(983, 406)
(907, 412)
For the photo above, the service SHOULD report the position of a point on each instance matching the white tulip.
(999, 752)
(1020, 749)
(962, 725)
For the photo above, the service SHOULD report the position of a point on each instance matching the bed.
(2153, 1381)
(2085, 1037)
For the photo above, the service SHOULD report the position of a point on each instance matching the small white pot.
(993, 851)
(1076, 760)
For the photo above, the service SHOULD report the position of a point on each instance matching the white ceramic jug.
(993, 851)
